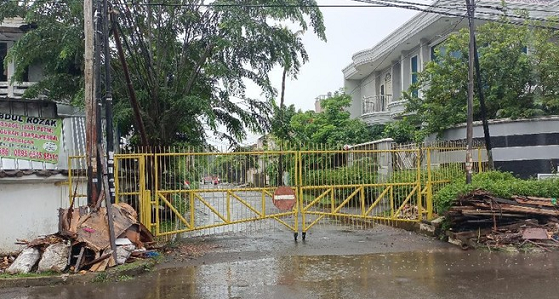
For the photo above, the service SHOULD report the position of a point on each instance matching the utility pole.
(98, 99)
(108, 102)
(470, 118)
(90, 104)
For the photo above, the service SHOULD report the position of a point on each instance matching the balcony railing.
(15, 90)
(377, 103)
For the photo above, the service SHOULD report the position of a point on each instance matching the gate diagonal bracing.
(183, 191)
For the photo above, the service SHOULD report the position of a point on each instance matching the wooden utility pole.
(470, 118)
(90, 103)
(108, 102)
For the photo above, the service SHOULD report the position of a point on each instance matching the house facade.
(10, 31)
(378, 76)
(38, 139)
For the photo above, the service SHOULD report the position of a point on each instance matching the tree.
(189, 61)
(332, 126)
(55, 41)
(517, 72)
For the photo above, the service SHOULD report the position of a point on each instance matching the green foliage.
(333, 126)
(377, 131)
(515, 84)
(403, 131)
(55, 42)
(124, 278)
(500, 184)
(360, 172)
(189, 64)
(441, 175)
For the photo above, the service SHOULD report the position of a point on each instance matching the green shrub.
(500, 184)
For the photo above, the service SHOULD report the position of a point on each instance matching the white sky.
(348, 30)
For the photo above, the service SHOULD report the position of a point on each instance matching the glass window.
(414, 70)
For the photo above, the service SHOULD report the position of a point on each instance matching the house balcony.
(397, 108)
(15, 90)
(375, 109)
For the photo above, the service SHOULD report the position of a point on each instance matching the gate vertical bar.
(156, 191)
(299, 208)
(70, 183)
(429, 187)
(419, 204)
(116, 169)
(193, 209)
(145, 197)
(479, 163)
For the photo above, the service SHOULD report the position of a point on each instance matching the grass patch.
(124, 278)
(29, 275)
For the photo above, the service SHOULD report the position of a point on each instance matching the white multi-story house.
(37, 139)
(377, 77)
(10, 31)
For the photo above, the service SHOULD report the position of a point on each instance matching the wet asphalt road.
(261, 260)
(330, 264)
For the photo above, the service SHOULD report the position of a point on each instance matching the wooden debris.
(480, 219)
(88, 233)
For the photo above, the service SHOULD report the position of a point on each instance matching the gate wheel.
(304, 235)
(295, 235)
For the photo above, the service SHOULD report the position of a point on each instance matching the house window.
(381, 100)
(442, 52)
(3, 53)
(414, 70)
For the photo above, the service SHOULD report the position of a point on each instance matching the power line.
(452, 14)
(429, 8)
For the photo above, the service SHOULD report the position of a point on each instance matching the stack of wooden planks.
(481, 219)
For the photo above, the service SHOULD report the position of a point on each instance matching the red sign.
(284, 198)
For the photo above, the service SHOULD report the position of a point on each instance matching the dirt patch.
(189, 249)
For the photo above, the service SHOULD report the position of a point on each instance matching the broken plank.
(79, 260)
(521, 209)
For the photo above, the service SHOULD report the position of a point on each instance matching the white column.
(11, 70)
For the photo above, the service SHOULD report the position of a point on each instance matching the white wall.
(29, 208)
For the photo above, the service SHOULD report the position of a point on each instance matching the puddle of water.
(397, 275)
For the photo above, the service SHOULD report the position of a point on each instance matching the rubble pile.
(482, 220)
(84, 243)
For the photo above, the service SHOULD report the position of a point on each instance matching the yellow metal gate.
(186, 191)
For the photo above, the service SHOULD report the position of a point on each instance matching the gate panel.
(131, 185)
(196, 192)
(208, 193)
(345, 186)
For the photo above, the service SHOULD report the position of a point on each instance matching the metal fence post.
(429, 187)
(419, 204)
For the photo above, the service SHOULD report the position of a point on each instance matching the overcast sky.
(348, 31)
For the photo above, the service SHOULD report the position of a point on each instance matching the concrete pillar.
(11, 70)
(353, 89)
(405, 69)
(424, 54)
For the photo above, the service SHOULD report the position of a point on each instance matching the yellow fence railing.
(199, 192)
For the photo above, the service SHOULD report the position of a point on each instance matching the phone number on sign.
(34, 155)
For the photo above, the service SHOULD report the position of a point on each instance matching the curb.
(114, 274)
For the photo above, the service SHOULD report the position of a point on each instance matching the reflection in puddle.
(413, 275)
